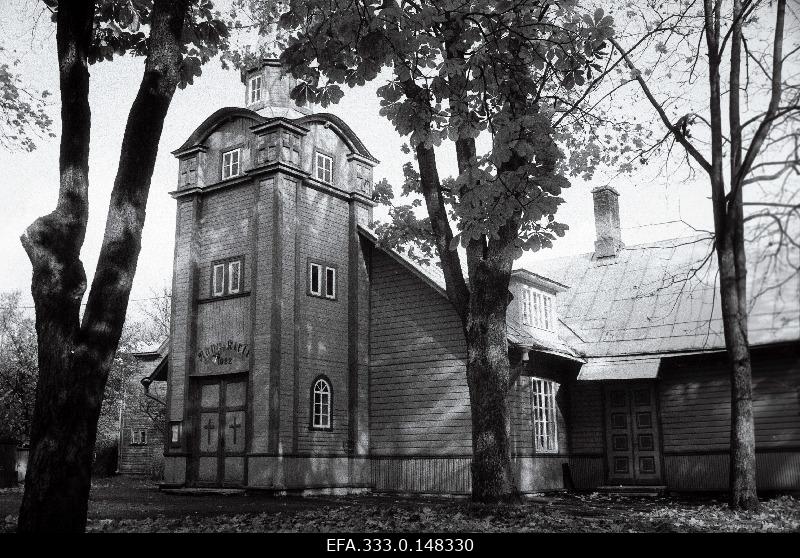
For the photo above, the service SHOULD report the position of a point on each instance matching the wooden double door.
(220, 431)
(632, 434)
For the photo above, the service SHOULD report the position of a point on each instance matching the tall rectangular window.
(218, 280)
(255, 89)
(314, 279)
(231, 163)
(330, 282)
(537, 309)
(543, 407)
(324, 168)
(234, 276)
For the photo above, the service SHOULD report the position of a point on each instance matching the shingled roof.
(663, 297)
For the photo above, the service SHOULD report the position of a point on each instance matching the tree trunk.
(74, 357)
(733, 288)
(488, 378)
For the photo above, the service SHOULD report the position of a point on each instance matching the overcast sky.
(30, 180)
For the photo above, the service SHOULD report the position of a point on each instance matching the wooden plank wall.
(419, 402)
(695, 415)
(695, 405)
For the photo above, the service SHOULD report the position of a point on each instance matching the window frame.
(229, 282)
(138, 437)
(538, 309)
(313, 404)
(226, 264)
(317, 156)
(318, 267)
(331, 296)
(544, 415)
(175, 428)
(251, 89)
(238, 151)
(324, 267)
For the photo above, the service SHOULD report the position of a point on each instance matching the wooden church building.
(304, 356)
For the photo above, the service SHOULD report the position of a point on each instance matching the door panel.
(209, 432)
(218, 456)
(632, 436)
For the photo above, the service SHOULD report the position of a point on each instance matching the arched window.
(321, 403)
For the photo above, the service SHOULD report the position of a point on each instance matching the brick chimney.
(606, 221)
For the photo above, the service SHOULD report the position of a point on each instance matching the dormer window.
(255, 89)
(537, 309)
(231, 165)
(324, 168)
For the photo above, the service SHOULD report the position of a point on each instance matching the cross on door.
(235, 426)
(209, 427)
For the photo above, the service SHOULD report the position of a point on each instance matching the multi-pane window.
(543, 407)
(321, 404)
(322, 280)
(255, 89)
(231, 163)
(324, 168)
(226, 277)
(537, 309)
(138, 437)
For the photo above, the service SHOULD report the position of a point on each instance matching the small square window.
(314, 279)
(330, 282)
(138, 437)
(231, 163)
(255, 89)
(234, 276)
(324, 168)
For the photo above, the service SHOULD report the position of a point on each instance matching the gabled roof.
(663, 298)
(432, 276)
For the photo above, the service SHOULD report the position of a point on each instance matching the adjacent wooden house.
(141, 436)
(305, 356)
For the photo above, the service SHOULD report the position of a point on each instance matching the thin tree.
(75, 352)
(757, 126)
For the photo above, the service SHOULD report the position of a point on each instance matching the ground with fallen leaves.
(132, 505)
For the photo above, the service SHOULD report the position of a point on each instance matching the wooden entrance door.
(220, 432)
(632, 434)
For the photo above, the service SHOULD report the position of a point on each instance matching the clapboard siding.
(419, 401)
(695, 403)
(586, 418)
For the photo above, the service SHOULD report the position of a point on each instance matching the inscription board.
(223, 334)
